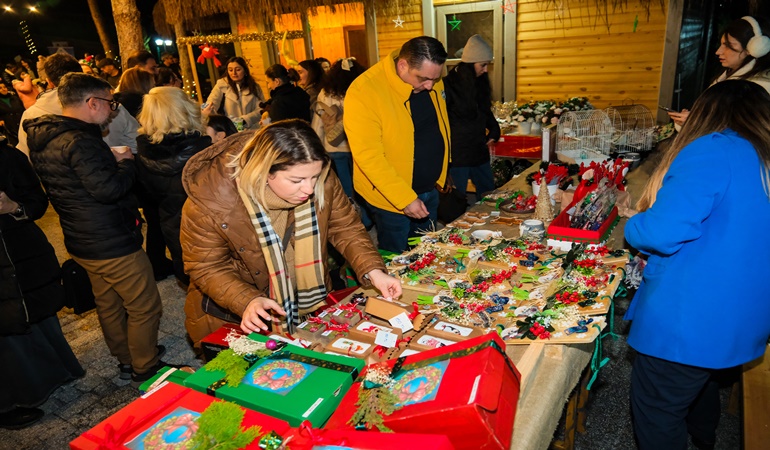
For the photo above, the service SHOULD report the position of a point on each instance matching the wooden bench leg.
(570, 425)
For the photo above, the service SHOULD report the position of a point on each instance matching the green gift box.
(293, 384)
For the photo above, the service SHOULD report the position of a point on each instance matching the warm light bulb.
(33, 9)
(8, 8)
(167, 42)
(158, 41)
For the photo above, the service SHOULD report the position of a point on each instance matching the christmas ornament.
(399, 22)
(209, 52)
(544, 209)
(455, 23)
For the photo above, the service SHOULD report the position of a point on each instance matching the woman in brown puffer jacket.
(261, 208)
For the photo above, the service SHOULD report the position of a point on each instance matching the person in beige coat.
(261, 208)
(240, 94)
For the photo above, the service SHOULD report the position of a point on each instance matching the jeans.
(394, 229)
(342, 164)
(481, 176)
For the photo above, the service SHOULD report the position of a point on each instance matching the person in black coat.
(473, 125)
(35, 357)
(171, 133)
(11, 109)
(89, 186)
(286, 100)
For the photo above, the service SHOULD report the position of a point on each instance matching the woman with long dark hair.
(688, 326)
(744, 53)
(240, 94)
(474, 127)
(286, 100)
(327, 120)
(311, 75)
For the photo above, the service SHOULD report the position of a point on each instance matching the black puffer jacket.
(160, 173)
(30, 287)
(289, 102)
(468, 120)
(89, 190)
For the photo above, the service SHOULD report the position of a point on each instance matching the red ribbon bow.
(415, 311)
(371, 329)
(351, 307)
(336, 326)
(208, 52)
(317, 436)
(113, 439)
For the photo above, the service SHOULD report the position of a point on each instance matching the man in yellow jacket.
(398, 129)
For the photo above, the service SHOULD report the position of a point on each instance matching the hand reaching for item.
(258, 312)
(388, 286)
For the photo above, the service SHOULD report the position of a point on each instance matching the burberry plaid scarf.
(308, 264)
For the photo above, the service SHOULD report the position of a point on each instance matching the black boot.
(20, 417)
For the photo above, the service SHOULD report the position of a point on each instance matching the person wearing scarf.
(262, 207)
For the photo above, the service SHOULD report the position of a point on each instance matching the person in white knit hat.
(474, 128)
(744, 53)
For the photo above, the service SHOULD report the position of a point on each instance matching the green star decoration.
(454, 22)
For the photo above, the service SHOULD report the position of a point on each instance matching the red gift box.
(307, 438)
(467, 391)
(141, 414)
(519, 146)
(559, 229)
(215, 342)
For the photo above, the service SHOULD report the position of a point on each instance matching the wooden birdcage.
(583, 136)
(633, 128)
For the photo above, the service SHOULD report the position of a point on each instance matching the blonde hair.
(739, 105)
(167, 110)
(277, 147)
(136, 80)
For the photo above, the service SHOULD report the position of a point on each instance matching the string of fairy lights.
(23, 26)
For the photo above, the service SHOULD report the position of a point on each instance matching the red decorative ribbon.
(415, 311)
(403, 341)
(371, 329)
(380, 350)
(340, 327)
(209, 52)
(351, 307)
(114, 439)
(316, 320)
(317, 436)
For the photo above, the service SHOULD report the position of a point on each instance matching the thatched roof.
(192, 11)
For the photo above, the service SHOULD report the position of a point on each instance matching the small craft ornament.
(208, 52)
(399, 22)
(455, 23)
(544, 209)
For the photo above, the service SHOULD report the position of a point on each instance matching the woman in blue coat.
(702, 305)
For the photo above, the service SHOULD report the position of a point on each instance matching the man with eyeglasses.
(120, 129)
(89, 185)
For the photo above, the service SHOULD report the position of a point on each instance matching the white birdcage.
(634, 128)
(583, 136)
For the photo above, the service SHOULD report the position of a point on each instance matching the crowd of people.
(247, 192)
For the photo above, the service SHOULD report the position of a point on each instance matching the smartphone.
(204, 106)
(667, 109)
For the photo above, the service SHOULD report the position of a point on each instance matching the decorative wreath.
(156, 437)
(265, 376)
(402, 388)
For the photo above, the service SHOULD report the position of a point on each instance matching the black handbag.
(451, 203)
(77, 287)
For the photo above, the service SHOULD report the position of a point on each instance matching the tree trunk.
(104, 36)
(184, 60)
(126, 16)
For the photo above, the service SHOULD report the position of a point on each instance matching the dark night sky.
(59, 20)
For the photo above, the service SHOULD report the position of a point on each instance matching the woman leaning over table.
(262, 205)
(744, 53)
(240, 93)
(688, 326)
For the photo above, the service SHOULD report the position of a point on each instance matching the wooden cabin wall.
(389, 37)
(294, 47)
(252, 52)
(576, 55)
(328, 30)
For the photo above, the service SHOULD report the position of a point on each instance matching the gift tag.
(386, 339)
(402, 321)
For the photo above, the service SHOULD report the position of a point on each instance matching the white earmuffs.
(758, 45)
